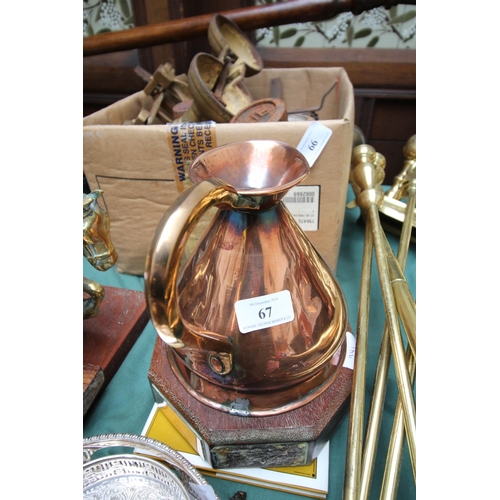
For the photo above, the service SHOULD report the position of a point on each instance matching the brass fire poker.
(366, 178)
(394, 454)
(375, 415)
(355, 431)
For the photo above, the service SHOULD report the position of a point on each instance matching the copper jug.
(253, 319)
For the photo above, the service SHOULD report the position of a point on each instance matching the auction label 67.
(265, 311)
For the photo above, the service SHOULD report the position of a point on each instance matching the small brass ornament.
(98, 249)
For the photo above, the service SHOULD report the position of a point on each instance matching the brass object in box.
(203, 76)
(262, 110)
(225, 37)
(166, 89)
(216, 81)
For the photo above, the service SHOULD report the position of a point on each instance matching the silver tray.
(140, 475)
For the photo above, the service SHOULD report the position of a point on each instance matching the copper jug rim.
(252, 167)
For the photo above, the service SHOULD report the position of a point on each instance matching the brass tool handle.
(167, 248)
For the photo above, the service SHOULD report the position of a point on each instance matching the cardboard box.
(141, 168)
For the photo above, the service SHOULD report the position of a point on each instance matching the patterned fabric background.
(378, 28)
(100, 16)
(393, 28)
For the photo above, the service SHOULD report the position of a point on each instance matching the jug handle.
(167, 248)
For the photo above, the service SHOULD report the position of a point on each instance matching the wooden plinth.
(291, 438)
(109, 336)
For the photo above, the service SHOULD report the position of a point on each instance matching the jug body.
(259, 315)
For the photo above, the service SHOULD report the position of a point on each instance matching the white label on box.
(313, 141)
(265, 311)
(303, 203)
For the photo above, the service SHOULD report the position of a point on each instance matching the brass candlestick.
(399, 188)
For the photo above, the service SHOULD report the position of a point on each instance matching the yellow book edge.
(165, 425)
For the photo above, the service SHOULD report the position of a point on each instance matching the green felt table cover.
(126, 402)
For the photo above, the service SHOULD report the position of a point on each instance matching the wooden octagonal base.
(292, 438)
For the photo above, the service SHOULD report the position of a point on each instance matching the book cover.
(167, 426)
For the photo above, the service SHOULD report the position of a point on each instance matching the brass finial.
(367, 175)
